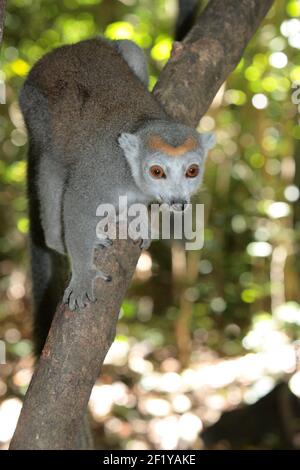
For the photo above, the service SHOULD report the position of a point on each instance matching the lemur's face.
(167, 161)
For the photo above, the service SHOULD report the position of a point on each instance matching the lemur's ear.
(130, 145)
(207, 141)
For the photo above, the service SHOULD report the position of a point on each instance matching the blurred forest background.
(200, 332)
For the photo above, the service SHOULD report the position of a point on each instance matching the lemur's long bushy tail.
(49, 269)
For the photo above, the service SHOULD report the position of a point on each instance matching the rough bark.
(2, 14)
(200, 64)
(70, 363)
(56, 400)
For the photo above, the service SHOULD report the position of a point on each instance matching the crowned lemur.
(95, 133)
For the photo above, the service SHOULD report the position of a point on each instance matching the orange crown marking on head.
(157, 143)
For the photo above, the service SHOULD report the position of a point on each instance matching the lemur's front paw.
(144, 243)
(80, 290)
(103, 242)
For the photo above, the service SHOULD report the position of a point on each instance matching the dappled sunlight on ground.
(140, 403)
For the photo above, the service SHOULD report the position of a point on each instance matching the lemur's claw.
(144, 243)
(80, 291)
(103, 243)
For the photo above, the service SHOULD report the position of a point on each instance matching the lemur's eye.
(192, 171)
(157, 172)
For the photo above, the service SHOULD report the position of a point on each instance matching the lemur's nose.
(178, 205)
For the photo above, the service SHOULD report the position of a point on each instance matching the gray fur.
(135, 58)
(89, 117)
(175, 187)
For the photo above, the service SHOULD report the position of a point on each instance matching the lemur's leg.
(50, 173)
(80, 234)
(50, 187)
(134, 57)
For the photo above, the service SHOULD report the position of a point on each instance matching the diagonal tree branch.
(200, 64)
(56, 400)
(70, 363)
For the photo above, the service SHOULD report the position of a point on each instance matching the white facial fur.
(175, 188)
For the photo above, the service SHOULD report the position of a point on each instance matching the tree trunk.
(213, 48)
(56, 401)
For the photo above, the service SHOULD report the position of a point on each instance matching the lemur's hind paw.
(80, 290)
